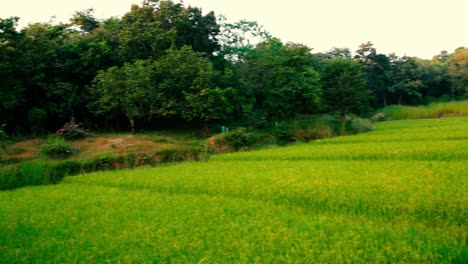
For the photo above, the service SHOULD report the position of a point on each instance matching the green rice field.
(398, 194)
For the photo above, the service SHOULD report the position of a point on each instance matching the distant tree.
(366, 52)
(435, 78)
(344, 88)
(458, 72)
(406, 78)
(85, 20)
(236, 39)
(442, 57)
(344, 53)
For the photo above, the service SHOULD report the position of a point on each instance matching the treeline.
(166, 64)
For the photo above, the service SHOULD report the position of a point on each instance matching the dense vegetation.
(395, 195)
(164, 64)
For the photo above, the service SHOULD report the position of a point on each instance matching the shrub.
(62, 169)
(36, 120)
(26, 173)
(8, 178)
(57, 147)
(241, 138)
(169, 155)
(358, 125)
(306, 128)
(72, 131)
(105, 161)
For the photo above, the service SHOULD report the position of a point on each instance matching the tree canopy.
(164, 63)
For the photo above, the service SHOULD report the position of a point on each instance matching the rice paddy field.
(395, 195)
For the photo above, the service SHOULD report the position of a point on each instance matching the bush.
(241, 138)
(57, 147)
(36, 120)
(72, 131)
(356, 125)
(306, 128)
(8, 178)
(62, 169)
(25, 174)
(105, 161)
(169, 155)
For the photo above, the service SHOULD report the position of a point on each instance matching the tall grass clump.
(26, 173)
(434, 110)
(306, 128)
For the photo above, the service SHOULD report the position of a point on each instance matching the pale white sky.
(419, 28)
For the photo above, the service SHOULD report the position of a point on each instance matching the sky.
(420, 28)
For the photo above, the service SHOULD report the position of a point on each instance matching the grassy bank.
(435, 110)
(395, 195)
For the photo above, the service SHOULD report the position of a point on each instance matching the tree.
(124, 91)
(344, 88)
(458, 72)
(12, 90)
(279, 81)
(236, 39)
(406, 78)
(85, 20)
(185, 88)
(344, 53)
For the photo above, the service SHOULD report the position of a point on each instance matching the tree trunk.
(399, 99)
(343, 123)
(132, 124)
(385, 100)
(206, 130)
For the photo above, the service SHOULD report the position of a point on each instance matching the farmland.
(395, 195)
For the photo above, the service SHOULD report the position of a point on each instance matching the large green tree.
(185, 88)
(278, 81)
(123, 90)
(344, 88)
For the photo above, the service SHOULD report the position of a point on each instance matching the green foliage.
(357, 125)
(123, 90)
(72, 131)
(131, 158)
(36, 172)
(36, 119)
(280, 80)
(27, 173)
(62, 169)
(458, 72)
(345, 89)
(405, 78)
(241, 138)
(306, 128)
(105, 161)
(434, 110)
(57, 147)
(169, 155)
(165, 63)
